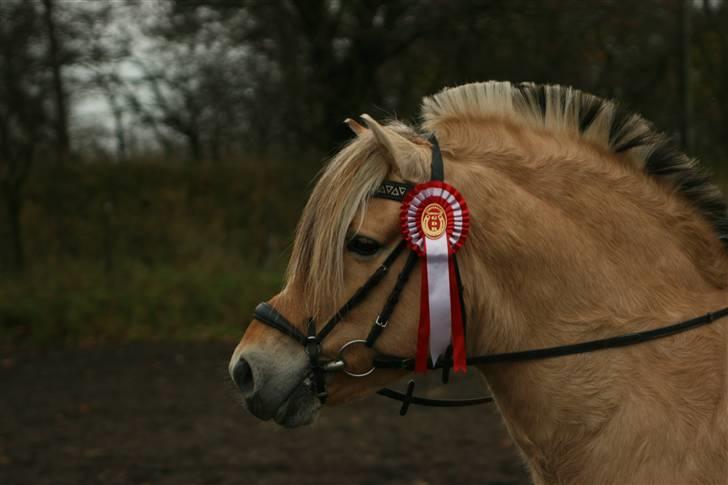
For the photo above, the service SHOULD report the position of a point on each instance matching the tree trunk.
(14, 205)
(108, 214)
(684, 7)
(195, 146)
(59, 93)
(121, 145)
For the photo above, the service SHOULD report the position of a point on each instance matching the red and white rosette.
(434, 220)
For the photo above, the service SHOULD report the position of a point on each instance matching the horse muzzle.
(276, 389)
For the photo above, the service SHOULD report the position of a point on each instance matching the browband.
(392, 190)
(397, 191)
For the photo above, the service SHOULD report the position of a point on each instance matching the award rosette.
(434, 220)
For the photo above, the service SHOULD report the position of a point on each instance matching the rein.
(321, 366)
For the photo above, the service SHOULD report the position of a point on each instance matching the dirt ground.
(166, 413)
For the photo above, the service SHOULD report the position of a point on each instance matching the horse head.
(343, 236)
(585, 223)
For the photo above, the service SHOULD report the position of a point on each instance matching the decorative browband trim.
(392, 190)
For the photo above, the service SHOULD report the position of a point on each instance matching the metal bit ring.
(339, 357)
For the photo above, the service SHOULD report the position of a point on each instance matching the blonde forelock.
(338, 197)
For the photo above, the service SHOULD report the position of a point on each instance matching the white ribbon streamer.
(438, 289)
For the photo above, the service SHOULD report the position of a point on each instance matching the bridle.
(321, 366)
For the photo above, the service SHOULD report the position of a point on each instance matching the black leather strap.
(461, 294)
(313, 350)
(441, 403)
(265, 313)
(383, 319)
(387, 362)
(363, 290)
(437, 172)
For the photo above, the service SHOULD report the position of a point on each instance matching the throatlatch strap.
(386, 362)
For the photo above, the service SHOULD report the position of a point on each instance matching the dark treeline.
(249, 96)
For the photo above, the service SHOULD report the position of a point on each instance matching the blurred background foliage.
(155, 154)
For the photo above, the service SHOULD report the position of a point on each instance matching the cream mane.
(599, 121)
(349, 179)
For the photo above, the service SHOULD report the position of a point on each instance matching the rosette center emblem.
(434, 221)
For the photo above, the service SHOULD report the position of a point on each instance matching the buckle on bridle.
(378, 322)
(313, 347)
(313, 343)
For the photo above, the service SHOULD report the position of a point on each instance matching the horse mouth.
(301, 408)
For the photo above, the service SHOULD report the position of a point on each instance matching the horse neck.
(559, 258)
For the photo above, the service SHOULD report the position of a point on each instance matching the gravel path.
(166, 413)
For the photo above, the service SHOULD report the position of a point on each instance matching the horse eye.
(363, 246)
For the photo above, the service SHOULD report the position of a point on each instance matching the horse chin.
(300, 409)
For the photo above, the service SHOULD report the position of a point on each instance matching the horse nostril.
(243, 376)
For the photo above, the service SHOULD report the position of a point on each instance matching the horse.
(586, 222)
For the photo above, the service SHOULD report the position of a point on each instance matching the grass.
(149, 251)
(79, 304)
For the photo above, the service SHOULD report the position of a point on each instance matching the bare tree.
(24, 120)
(711, 95)
(56, 64)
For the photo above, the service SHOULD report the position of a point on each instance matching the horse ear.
(355, 127)
(410, 159)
